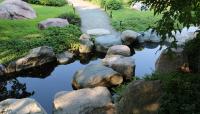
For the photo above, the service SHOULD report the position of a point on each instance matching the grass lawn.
(14, 34)
(133, 19)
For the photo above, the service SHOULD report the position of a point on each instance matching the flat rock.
(140, 97)
(65, 57)
(94, 75)
(84, 101)
(53, 22)
(16, 9)
(98, 32)
(21, 106)
(119, 50)
(121, 64)
(103, 43)
(128, 37)
(36, 57)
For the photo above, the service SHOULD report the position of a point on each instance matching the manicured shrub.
(113, 4)
(48, 2)
(72, 18)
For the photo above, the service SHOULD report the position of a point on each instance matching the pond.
(45, 82)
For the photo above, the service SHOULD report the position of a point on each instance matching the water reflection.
(13, 89)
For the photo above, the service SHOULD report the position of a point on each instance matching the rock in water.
(53, 22)
(86, 45)
(65, 57)
(119, 50)
(96, 75)
(21, 106)
(36, 57)
(140, 97)
(121, 64)
(128, 37)
(84, 101)
(16, 9)
(103, 43)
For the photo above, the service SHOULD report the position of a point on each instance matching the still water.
(58, 78)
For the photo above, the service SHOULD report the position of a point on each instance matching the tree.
(175, 13)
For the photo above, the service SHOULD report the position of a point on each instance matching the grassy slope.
(133, 19)
(24, 30)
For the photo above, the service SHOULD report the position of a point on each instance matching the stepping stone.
(98, 32)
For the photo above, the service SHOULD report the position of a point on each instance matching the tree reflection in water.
(13, 89)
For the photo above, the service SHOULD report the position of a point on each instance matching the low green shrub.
(60, 39)
(192, 50)
(48, 2)
(181, 93)
(113, 4)
(72, 18)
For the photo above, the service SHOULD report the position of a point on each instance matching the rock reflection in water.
(13, 89)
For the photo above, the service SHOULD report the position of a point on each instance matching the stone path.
(92, 16)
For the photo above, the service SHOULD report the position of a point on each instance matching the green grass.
(133, 19)
(17, 37)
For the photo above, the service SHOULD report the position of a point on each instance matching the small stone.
(53, 22)
(65, 57)
(119, 50)
(98, 32)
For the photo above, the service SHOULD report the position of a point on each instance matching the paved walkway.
(92, 16)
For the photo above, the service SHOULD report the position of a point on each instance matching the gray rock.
(36, 57)
(103, 43)
(98, 32)
(21, 106)
(121, 64)
(139, 6)
(119, 50)
(140, 97)
(65, 57)
(166, 63)
(128, 37)
(84, 101)
(16, 9)
(86, 45)
(53, 22)
(149, 36)
(96, 75)
(2, 70)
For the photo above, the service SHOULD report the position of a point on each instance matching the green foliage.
(133, 19)
(48, 2)
(72, 18)
(19, 36)
(113, 4)
(186, 12)
(193, 51)
(181, 93)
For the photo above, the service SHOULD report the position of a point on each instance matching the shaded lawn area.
(17, 37)
(132, 19)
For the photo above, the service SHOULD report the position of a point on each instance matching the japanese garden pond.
(43, 83)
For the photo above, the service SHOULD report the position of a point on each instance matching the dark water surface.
(58, 78)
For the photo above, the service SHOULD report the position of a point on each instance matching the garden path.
(92, 16)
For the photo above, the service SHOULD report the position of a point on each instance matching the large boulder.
(140, 97)
(84, 101)
(128, 37)
(2, 70)
(21, 106)
(103, 43)
(166, 63)
(119, 50)
(53, 22)
(16, 9)
(149, 36)
(36, 57)
(121, 64)
(65, 57)
(96, 75)
(98, 32)
(86, 45)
